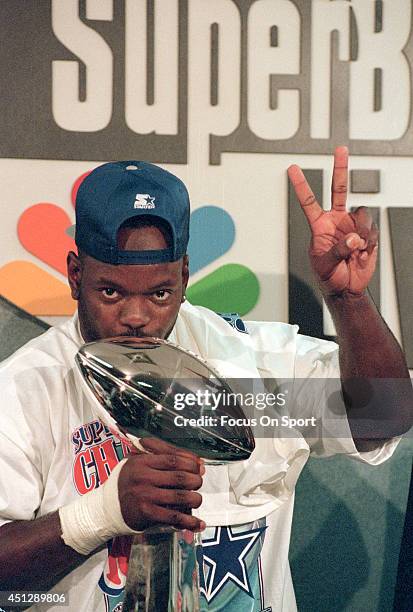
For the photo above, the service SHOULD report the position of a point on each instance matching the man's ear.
(185, 274)
(74, 274)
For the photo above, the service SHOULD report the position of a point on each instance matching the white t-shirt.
(53, 448)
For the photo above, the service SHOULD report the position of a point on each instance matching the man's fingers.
(368, 259)
(174, 462)
(309, 204)
(365, 227)
(372, 239)
(327, 262)
(173, 497)
(305, 196)
(351, 246)
(172, 480)
(363, 221)
(175, 518)
(154, 445)
(340, 179)
(346, 246)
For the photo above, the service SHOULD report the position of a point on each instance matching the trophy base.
(163, 572)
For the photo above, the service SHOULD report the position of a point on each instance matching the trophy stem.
(163, 572)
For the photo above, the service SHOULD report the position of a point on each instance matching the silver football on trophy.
(150, 387)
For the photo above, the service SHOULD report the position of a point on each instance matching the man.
(66, 491)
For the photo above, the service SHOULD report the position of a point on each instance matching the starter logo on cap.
(144, 200)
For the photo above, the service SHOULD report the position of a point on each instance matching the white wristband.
(95, 517)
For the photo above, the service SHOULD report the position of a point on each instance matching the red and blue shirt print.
(97, 451)
(229, 561)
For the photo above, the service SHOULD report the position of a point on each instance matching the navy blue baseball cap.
(126, 190)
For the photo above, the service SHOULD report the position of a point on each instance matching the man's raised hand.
(343, 248)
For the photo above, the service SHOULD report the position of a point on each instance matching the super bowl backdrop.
(226, 94)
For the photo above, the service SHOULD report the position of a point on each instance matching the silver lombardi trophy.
(133, 384)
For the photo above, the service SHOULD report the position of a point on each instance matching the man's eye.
(108, 292)
(162, 295)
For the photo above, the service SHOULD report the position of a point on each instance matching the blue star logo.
(224, 558)
(149, 199)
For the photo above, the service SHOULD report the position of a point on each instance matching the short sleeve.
(21, 485)
(318, 399)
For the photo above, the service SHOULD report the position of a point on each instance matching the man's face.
(128, 300)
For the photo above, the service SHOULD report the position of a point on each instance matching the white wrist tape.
(95, 517)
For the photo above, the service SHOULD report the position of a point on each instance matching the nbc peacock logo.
(41, 288)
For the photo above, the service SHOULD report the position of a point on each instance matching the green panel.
(231, 288)
(347, 530)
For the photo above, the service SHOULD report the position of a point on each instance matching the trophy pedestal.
(153, 584)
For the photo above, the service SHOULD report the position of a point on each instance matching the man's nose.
(135, 313)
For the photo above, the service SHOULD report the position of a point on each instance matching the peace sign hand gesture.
(343, 249)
